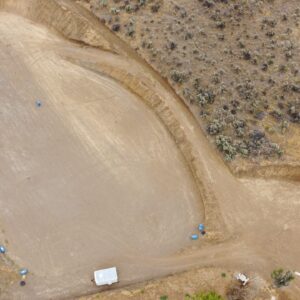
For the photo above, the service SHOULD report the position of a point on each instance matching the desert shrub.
(277, 115)
(246, 90)
(238, 123)
(270, 33)
(172, 46)
(269, 22)
(242, 148)
(178, 76)
(103, 3)
(294, 112)
(282, 68)
(258, 144)
(116, 27)
(256, 141)
(259, 115)
(237, 292)
(155, 8)
(289, 87)
(215, 127)
(208, 3)
(204, 296)
(142, 2)
(256, 137)
(226, 146)
(275, 149)
(281, 278)
(239, 127)
(205, 97)
(130, 28)
(114, 11)
(284, 125)
(216, 78)
(197, 84)
(220, 24)
(165, 297)
(129, 8)
(188, 95)
(246, 54)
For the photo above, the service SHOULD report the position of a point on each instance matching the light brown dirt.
(90, 175)
(114, 169)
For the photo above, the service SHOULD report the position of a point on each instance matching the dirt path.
(93, 139)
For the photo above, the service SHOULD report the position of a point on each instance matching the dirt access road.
(95, 178)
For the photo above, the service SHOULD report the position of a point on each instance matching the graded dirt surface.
(113, 169)
(91, 178)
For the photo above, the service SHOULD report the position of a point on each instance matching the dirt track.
(94, 177)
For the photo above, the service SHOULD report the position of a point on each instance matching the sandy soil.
(114, 169)
(92, 178)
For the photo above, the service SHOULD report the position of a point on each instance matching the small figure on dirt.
(23, 272)
(38, 103)
(22, 283)
(2, 249)
(242, 278)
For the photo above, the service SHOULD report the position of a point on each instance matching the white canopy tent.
(106, 276)
(242, 278)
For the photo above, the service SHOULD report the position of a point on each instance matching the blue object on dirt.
(38, 103)
(2, 249)
(194, 237)
(201, 227)
(23, 271)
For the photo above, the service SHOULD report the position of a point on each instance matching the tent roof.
(106, 276)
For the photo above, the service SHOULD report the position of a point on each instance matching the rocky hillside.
(235, 63)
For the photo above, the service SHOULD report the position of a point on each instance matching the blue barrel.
(2, 249)
(194, 237)
(38, 103)
(23, 271)
(201, 227)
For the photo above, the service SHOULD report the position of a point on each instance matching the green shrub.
(205, 97)
(130, 28)
(114, 11)
(215, 127)
(237, 292)
(142, 2)
(275, 149)
(281, 278)
(242, 148)
(155, 8)
(226, 146)
(204, 296)
(178, 76)
(128, 8)
(103, 3)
